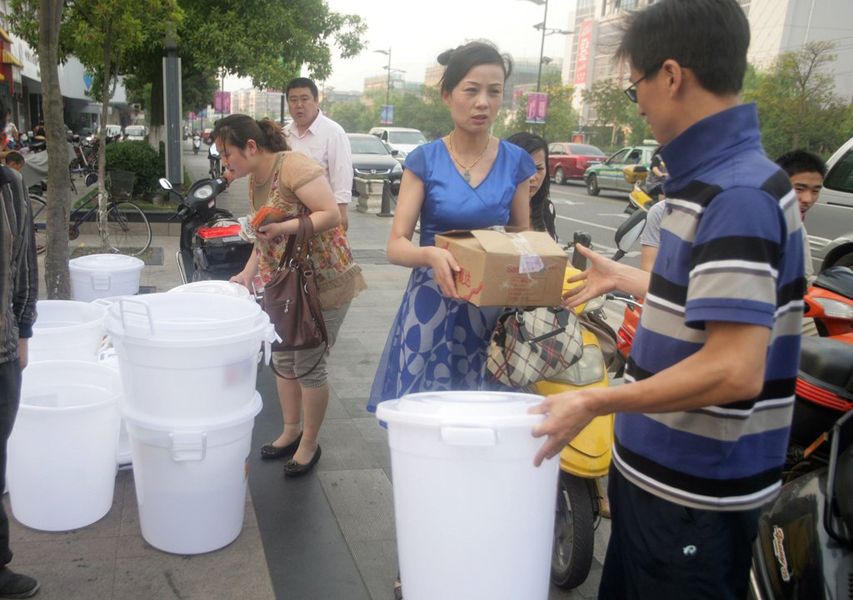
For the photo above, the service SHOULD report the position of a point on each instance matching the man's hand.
(567, 414)
(599, 278)
(23, 352)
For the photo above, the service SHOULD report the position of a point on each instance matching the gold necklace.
(466, 175)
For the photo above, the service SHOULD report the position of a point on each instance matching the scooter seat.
(827, 361)
(836, 279)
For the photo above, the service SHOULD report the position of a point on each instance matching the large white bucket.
(191, 481)
(109, 358)
(104, 275)
(225, 288)
(66, 330)
(62, 452)
(191, 380)
(475, 518)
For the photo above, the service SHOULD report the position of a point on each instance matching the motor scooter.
(215, 162)
(196, 144)
(210, 245)
(587, 457)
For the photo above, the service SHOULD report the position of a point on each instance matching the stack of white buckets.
(185, 387)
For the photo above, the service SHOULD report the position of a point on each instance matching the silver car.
(829, 222)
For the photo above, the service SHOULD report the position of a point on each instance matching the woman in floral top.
(296, 185)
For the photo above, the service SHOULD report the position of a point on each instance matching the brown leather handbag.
(292, 300)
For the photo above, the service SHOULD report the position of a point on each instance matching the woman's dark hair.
(542, 212)
(459, 61)
(237, 130)
(709, 37)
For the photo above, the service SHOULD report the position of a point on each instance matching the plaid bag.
(532, 345)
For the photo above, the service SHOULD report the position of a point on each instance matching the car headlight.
(397, 168)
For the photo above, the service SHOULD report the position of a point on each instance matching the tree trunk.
(102, 148)
(56, 261)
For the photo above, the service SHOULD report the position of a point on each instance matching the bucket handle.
(188, 445)
(146, 312)
(101, 281)
(468, 436)
(270, 337)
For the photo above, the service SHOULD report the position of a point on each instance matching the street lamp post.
(388, 81)
(545, 31)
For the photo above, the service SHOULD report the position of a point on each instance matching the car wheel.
(559, 177)
(592, 185)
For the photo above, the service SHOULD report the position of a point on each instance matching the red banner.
(584, 52)
(537, 107)
(222, 102)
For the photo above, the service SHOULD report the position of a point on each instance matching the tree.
(797, 103)
(612, 108)
(48, 16)
(354, 116)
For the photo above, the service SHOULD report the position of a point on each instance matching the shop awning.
(11, 59)
(4, 35)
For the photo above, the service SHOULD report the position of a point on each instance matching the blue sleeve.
(735, 260)
(526, 167)
(416, 162)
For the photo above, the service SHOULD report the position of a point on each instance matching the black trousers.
(663, 550)
(10, 395)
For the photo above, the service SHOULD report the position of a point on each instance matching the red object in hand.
(267, 215)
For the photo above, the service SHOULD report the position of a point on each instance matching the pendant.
(466, 176)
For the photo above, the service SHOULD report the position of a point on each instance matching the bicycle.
(127, 231)
(38, 205)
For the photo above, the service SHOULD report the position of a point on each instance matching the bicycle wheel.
(128, 230)
(38, 206)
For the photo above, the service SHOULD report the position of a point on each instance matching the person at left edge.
(318, 136)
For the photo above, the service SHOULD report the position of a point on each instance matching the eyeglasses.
(631, 90)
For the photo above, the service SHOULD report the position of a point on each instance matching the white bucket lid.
(471, 408)
(226, 288)
(42, 379)
(180, 316)
(66, 315)
(106, 263)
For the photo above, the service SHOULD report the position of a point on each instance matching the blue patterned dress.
(437, 343)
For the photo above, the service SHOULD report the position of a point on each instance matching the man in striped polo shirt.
(702, 424)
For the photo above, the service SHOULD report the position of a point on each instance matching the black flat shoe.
(295, 469)
(269, 452)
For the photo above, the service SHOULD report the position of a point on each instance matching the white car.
(401, 140)
(135, 132)
(829, 222)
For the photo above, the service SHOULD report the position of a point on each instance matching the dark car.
(568, 160)
(371, 159)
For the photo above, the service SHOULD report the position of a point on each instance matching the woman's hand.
(271, 231)
(244, 278)
(600, 278)
(444, 267)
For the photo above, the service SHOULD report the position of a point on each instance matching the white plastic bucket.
(109, 358)
(191, 481)
(191, 379)
(180, 317)
(61, 466)
(475, 518)
(225, 288)
(66, 330)
(104, 275)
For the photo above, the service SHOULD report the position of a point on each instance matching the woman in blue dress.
(465, 180)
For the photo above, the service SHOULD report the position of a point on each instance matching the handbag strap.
(296, 249)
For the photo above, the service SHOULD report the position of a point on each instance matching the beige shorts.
(296, 362)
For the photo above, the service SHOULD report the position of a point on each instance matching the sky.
(418, 30)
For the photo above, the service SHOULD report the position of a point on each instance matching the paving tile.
(72, 579)
(63, 549)
(377, 562)
(344, 447)
(362, 502)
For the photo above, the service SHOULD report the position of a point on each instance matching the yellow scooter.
(586, 458)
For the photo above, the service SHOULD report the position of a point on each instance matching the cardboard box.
(513, 268)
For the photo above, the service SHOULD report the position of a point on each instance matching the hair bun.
(444, 57)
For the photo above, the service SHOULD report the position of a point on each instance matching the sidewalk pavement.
(329, 535)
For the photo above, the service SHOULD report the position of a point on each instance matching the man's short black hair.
(14, 157)
(303, 82)
(801, 161)
(710, 37)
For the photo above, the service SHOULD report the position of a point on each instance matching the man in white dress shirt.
(316, 135)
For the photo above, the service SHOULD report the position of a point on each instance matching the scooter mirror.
(629, 232)
(165, 183)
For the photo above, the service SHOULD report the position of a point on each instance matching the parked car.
(135, 132)
(567, 160)
(609, 175)
(829, 222)
(371, 159)
(401, 140)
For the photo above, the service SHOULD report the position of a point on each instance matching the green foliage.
(797, 103)
(140, 158)
(427, 112)
(354, 116)
(613, 109)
